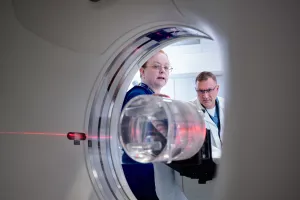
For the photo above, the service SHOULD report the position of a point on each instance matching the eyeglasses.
(209, 90)
(160, 67)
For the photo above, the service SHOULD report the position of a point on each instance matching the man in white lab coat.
(167, 181)
(212, 105)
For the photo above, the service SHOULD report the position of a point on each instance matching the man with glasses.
(212, 105)
(167, 179)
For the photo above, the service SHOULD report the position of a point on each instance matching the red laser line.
(50, 134)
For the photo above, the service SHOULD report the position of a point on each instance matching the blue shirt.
(140, 89)
(140, 177)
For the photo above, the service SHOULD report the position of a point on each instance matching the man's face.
(207, 92)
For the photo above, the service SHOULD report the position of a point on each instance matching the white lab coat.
(215, 139)
(168, 181)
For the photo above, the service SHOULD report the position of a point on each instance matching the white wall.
(194, 58)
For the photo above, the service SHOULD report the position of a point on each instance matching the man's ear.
(218, 86)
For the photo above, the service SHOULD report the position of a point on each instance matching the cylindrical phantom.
(157, 129)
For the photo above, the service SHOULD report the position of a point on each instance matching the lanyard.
(218, 115)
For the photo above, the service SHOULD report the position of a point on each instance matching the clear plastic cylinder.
(158, 129)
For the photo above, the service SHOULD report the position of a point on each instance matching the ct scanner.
(64, 67)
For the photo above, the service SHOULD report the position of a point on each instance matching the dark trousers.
(140, 178)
